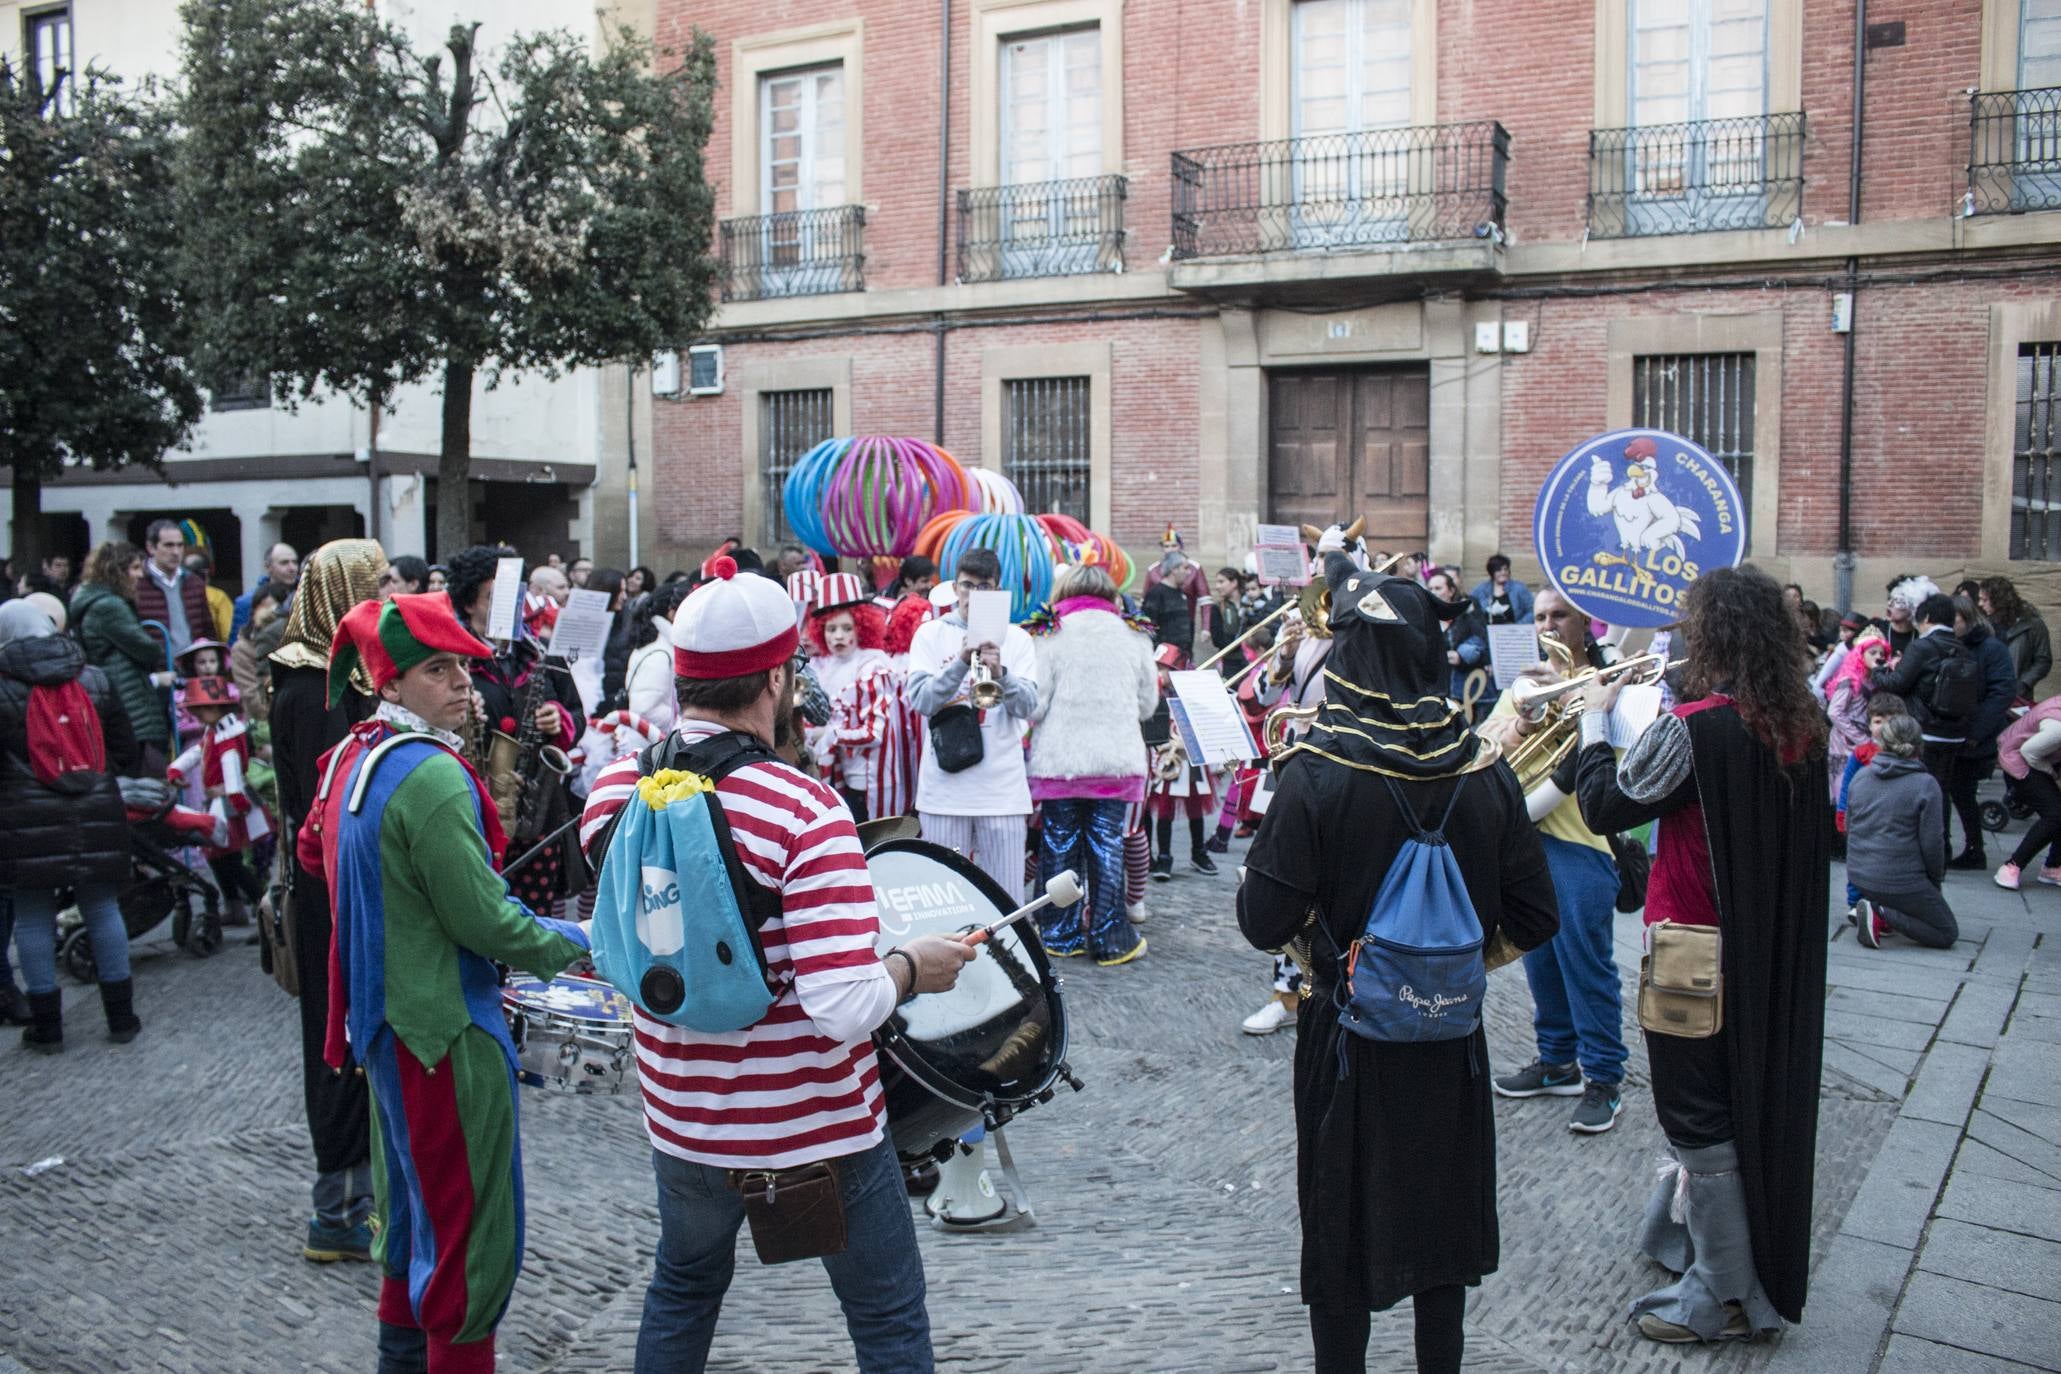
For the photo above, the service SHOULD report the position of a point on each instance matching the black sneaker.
(1969, 859)
(1163, 869)
(1598, 1109)
(1202, 863)
(1540, 1079)
(1219, 843)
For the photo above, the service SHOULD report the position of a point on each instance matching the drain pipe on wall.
(944, 193)
(1843, 561)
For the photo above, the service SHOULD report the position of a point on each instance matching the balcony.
(1699, 177)
(1422, 201)
(2014, 152)
(1042, 229)
(799, 253)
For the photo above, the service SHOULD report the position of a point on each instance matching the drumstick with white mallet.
(1062, 889)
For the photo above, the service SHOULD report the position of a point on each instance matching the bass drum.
(992, 1046)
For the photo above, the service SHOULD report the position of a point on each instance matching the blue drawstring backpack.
(676, 917)
(1416, 971)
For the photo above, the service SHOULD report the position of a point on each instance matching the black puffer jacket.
(58, 837)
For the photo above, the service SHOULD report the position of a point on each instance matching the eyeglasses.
(967, 584)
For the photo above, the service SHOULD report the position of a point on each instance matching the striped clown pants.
(447, 1193)
(995, 844)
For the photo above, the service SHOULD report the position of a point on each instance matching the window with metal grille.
(47, 42)
(790, 424)
(1045, 443)
(2035, 461)
(1705, 397)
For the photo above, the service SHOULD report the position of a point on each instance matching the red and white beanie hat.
(733, 625)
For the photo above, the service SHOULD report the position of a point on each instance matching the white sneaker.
(1135, 913)
(1269, 1018)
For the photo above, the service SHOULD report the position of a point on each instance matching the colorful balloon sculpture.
(871, 495)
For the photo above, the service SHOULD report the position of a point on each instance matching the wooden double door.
(1348, 443)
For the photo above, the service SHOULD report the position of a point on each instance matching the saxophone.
(515, 765)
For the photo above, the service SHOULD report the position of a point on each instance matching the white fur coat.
(1096, 682)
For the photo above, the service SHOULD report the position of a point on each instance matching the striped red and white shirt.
(781, 1092)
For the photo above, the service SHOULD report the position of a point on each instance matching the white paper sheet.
(1512, 649)
(1211, 725)
(987, 617)
(507, 597)
(1638, 706)
(583, 626)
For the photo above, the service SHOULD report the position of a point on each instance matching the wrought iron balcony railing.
(2014, 152)
(1042, 229)
(1374, 189)
(800, 253)
(1709, 174)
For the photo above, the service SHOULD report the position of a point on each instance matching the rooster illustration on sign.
(1647, 522)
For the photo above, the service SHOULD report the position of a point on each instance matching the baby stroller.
(160, 885)
(1998, 814)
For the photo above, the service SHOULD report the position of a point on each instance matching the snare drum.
(573, 1034)
(994, 1044)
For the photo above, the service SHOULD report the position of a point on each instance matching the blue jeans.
(6, 935)
(35, 933)
(1577, 1003)
(878, 1278)
(1086, 834)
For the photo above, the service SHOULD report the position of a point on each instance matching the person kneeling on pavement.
(1896, 844)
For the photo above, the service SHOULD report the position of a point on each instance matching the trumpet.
(985, 693)
(1555, 708)
(1169, 761)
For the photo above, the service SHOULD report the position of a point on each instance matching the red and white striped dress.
(778, 1093)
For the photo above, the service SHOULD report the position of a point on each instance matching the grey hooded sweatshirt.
(1895, 841)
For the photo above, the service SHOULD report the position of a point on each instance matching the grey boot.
(1695, 1225)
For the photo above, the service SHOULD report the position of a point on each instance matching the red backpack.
(64, 733)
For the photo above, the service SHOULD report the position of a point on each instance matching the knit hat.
(732, 626)
(387, 638)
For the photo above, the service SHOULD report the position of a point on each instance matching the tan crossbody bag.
(1681, 982)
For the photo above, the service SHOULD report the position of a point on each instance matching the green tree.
(356, 215)
(90, 322)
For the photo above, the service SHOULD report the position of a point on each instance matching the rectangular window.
(2039, 44)
(1045, 444)
(1051, 107)
(47, 39)
(2036, 456)
(1350, 83)
(1699, 82)
(249, 390)
(1704, 397)
(801, 139)
(790, 424)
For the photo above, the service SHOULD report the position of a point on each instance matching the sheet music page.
(1212, 727)
(583, 625)
(508, 591)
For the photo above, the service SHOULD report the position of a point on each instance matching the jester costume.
(410, 843)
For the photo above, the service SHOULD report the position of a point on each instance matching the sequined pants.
(1086, 835)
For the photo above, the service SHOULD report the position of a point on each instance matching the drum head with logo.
(571, 999)
(993, 1043)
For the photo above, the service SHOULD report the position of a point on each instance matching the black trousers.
(2043, 795)
(1939, 762)
(339, 1109)
(1964, 775)
(1340, 1334)
(1692, 1089)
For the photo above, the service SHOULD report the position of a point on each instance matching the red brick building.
(1221, 261)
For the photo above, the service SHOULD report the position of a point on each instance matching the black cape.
(1770, 831)
(1396, 1161)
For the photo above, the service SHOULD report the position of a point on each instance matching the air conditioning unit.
(665, 373)
(705, 370)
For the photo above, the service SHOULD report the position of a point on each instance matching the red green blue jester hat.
(390, 637)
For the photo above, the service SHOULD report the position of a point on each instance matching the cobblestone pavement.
(168, 1239)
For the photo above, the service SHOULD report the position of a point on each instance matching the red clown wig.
(905, 620)
(869, 620)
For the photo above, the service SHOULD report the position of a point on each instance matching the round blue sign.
(1629, 519)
